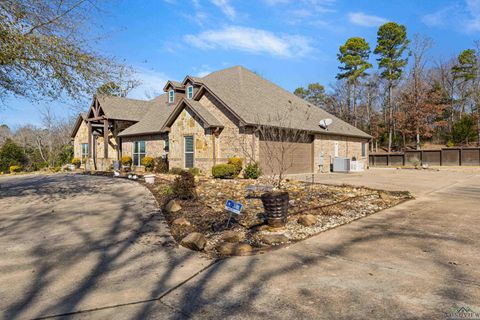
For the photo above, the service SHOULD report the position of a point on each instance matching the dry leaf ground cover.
(331, 206)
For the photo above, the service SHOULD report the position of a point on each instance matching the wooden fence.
(439, 157)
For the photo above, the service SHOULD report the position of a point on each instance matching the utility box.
(341, 165)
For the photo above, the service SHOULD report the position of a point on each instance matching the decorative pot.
(149, 178)
(276, 207)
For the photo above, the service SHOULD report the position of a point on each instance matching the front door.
(189, 151)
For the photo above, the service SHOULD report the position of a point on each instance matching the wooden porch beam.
(90, 133)
(105, 138)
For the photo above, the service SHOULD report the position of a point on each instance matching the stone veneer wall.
(80, 138)
(154, 145)
(348, 147)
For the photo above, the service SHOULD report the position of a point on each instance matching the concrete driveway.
(417, 260)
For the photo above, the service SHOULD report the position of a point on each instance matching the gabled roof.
(174, 84)
(198, 109)
(257, 101)
(153, 120)
(120, 108)
(82, 116)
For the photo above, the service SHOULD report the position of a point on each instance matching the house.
(200, 122)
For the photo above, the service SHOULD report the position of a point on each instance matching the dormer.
(175, 91)
(191, 84)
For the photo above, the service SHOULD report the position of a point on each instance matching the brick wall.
(348, 147)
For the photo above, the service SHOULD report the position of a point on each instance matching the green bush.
(148, 163)
(184, 186)
(237, 163)
(11, 154)
(15, 169)
(194, 171)
(176, 171)
(76, 162)
(126, 161)
(450, 143)
(252, 171)
(224, 171)
(464, 130)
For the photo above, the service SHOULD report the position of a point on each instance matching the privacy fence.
(439, 157)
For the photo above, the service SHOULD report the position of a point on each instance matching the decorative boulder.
(273, 239)
(181, 222)
(233, 236)
(307, 220)
(195, 241)
(172, 206)
(233, 249)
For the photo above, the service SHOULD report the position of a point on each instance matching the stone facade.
(348, 147)
(80, 138)
(154, 145)
(210, 147)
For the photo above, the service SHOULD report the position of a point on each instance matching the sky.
(290, 42)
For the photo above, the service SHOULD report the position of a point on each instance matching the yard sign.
(233, 206)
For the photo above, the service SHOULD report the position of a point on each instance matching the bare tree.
(283, 138)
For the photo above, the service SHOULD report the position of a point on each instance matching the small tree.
(11, 154)
(282, 136)
(464, 130)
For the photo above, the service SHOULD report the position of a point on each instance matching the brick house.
(200, 122)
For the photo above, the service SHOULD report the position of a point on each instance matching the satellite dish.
(324, 123)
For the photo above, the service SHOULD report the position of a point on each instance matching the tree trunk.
(418, 141)
(354, 104)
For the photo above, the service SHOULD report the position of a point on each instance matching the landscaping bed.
(313, 208)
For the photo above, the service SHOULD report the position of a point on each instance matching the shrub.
(252, 171)
(176, 171)
(165, 190)
(184, 186)
(237, 163)
(11, 154)
(161, 165)
(194, 171)
(224, 171)
(464, 130)
(76, 162)
(148, 163)
(126, 161)
(14, 169)
(450, 143)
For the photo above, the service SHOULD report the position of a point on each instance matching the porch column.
(105, 138)
(89, 139)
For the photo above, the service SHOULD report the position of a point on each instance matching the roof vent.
(324, 123)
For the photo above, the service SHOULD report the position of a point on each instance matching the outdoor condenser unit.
(341, 164)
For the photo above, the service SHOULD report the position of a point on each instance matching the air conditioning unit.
(341, 164)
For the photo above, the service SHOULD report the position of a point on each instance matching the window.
(190, 92)
(138, 152)
(171, 96)
(189, 152)
(84, 150)
(364, 149)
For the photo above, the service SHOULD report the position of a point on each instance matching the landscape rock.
(233, 249)
(233, 236)
(172, 206)
(181, 222)
(195, 241)
(272, 239)
(307, 220)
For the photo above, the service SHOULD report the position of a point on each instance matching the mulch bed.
(330, 205)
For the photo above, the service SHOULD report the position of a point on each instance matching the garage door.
(294, 157)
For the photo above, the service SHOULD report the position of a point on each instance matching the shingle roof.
(152, 120)
(258, 101)
(120, 108)
(203, 113)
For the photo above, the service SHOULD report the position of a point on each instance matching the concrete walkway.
(417, 260)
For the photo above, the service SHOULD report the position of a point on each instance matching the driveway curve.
(74, 242)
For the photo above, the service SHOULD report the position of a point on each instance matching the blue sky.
(290, 42)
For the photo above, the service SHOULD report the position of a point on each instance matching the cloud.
(226, 8)
(365, 20)
(152, 84)
(463, 17)
(251, 40)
